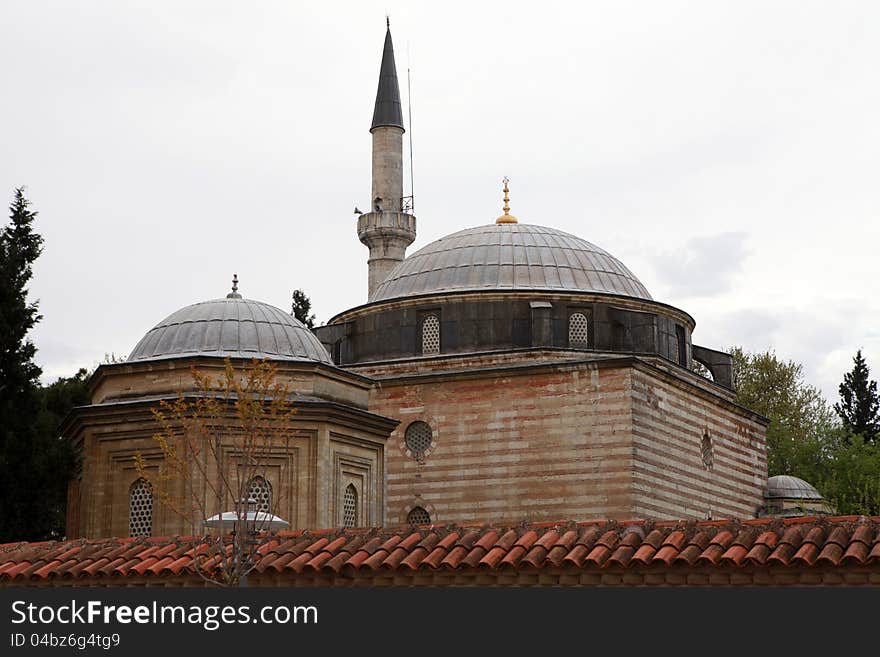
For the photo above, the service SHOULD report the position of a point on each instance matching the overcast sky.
(727, 152)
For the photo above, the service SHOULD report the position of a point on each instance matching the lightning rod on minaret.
(412, 192)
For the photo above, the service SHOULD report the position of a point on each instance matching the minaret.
(388, 228)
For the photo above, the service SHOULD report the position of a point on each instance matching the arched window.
(260, 490)
(431, 335)
(681, 346)
(140, 508)
(350, 507)
(418, 516)
(578, 331)
(418, 438)
(707, 452)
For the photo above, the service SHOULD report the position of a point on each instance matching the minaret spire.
(388, 228)
(387, 111)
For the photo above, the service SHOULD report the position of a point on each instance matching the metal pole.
(412, 192)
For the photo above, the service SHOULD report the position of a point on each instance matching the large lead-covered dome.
(510, 256)
(233, 327)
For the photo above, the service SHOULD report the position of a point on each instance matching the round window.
(418, 438)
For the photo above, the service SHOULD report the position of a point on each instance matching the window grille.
(418, 438)
(431, 335)
(140, 509)
(260, 490)
(578, 331)
(418, 516)
(350, 507)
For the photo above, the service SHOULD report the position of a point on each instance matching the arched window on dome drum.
(140, 508)
(260, 490)
(579, 331)
(681, 345)
(430, 335)
(418, 516)
(350, 507)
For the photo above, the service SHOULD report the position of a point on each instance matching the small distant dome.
(790, 497)
(788, 487)
(510, 256)
(232, 327)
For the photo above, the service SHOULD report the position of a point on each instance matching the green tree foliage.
(20, 246)
(803, 438)
(19, 397)
(302, 305)
(58, 462)
(859, 406)
(848, 475)
(35, 465)
(797, 411)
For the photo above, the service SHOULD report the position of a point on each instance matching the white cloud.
(703, 266)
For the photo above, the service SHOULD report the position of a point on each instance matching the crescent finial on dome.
(234, 294)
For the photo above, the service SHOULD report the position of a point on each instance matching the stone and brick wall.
(324, 447)
(694, 455)
(609, 438)
(307, 473)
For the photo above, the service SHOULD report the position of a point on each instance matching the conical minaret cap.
(387, 111)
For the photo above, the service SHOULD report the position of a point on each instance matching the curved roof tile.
(844, 542)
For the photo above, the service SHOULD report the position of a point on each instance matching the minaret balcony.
(385, 224)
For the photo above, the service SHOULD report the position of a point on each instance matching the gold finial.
(506, 218)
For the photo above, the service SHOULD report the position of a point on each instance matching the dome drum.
(168, 377)
(491, 321)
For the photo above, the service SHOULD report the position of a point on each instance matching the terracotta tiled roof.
(713, 546)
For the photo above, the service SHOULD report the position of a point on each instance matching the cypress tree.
(34, 464)
(301, 308)
(859, 406)
(20, 246)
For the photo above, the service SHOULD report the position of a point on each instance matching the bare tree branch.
(217, 442)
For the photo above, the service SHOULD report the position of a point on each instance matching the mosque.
(506, 372)
(509, 406)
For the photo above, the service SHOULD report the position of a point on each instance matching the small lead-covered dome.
(510, 256)
(788, 497)
(788, 487)
(232, 327)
